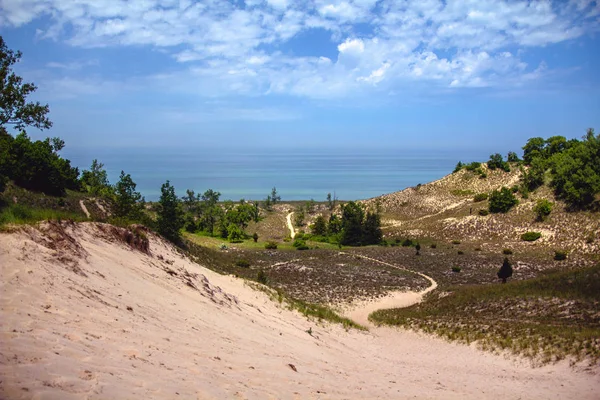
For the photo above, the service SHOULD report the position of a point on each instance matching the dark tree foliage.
(14, 108)
(359, 228)
(319, 227)
(353, 217)
(576, 171)
(512, 157)
(533, 148)
(211, 212)
(496, 161)
(505, 270)
(458, 167)
(334, 226)
(170, 215)
(127, 203)
(502, 200)
(36, 165)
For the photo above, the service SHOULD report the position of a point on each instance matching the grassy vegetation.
(19, 214)
(548, 318)
(309, 310)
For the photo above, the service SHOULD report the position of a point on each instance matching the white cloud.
(231, 49)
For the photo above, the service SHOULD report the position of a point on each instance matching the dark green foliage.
(275, 198)
(512, 157)
(14, 108)
(533, 177)
(456, 269)
(472, 166)
(505, 270)
(501, 201)
(352, 224)
(456, 242)
(497, 162)
(334, 226)
(542, 209)
(210, 210)
(460, 252)
(507, 252)
(170, 214)
(372, 229)
(319, 227)
(271, 245)
(576, 171)
(418, 248)
(433, 245)
(127, 203)
(242, 263)
(255, 237)
(531, 236)
(299, 216)
(560, 255)
(458, 167)
(407, 243)
(483, 212)
(534, 148)
(36, 165)
(480, 197)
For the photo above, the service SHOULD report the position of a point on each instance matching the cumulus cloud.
(242, 47)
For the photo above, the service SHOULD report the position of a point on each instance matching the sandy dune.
(83, 316)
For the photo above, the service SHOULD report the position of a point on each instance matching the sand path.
(359, 311)
(290, 226)
(84, 208)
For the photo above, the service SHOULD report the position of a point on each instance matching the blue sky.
(422, 74)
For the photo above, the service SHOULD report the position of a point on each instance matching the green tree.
(496, 161)
(576, 172)
(533, 148)
(459, 166)
(372, 229)
(234, 233)
(95, 181)
(319, 227)
(211, 212)
(501, 201)
(275, 198)
(14, 108)
(37, 165)
(170, 215)
(353, 216)
(334, 225)
(299, 216)
(127, 203)
(512, 157)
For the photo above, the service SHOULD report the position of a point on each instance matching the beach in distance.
(297, 173)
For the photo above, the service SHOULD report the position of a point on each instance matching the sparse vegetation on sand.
(549, 318)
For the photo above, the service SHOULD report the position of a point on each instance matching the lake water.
(298, 174)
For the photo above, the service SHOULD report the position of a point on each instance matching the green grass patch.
(462, 192)
(18, 214)
(548, 318)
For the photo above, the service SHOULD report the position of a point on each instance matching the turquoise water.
(298, 174)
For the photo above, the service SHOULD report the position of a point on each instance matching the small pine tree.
(418, 248)
(319, 227)
(505, 271)
(255, 237)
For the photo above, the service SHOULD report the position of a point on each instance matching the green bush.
(560, 255)
(456, 269)
(480, 197)
(472, 166)
(243, 263)
(433, 245)
(507, 252)
(483, 212)
(456, 242)
(460, 252)
(542, 209)
(531, 236)
(407, 243)
(501, 201)
(271, 245)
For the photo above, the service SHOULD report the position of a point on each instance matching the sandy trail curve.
(84, 208)
(359, 311)
(290, 226)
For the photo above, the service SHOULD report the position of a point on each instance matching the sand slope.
(67, 333)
